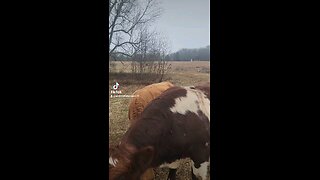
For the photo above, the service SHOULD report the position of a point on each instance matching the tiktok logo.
(115, 92)
(116, 86)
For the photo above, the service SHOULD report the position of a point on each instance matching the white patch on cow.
(202, 171)
(112, 161)
(173, 165)
(206, 144)
(194, 101)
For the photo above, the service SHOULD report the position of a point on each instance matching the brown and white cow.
(173, 126)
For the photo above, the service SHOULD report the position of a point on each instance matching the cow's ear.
(143, 157)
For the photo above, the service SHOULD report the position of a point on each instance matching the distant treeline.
(199, 54)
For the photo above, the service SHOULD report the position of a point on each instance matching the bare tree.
(141, 55)
(130, 36)
(125, 17)
(150, 54)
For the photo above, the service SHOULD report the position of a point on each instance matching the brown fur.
(144, 96)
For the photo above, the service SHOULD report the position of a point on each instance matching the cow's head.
(128, 163)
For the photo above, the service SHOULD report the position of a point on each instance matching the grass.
(182, 74)
(176, 66)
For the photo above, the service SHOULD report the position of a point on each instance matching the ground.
(181, 74)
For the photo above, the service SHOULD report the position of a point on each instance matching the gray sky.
(185, 23)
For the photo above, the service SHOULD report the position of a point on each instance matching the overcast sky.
(186, 23)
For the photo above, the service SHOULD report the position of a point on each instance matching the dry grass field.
(181, 74)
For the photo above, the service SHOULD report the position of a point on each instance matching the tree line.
(197, 54)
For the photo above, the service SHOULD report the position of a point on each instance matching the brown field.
(181, 74)
(176, 66)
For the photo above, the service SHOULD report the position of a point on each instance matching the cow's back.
(144, 96)
(204, 87)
